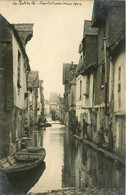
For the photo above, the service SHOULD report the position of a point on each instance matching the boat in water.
(24, 184)
(44, 125)
(23, 161)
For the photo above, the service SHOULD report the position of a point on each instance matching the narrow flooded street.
(62, 97)
(70, 163)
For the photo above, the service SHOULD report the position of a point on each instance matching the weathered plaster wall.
(119, 98)
(19, 98)
(6, 87)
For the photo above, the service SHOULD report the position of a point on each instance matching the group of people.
(77, 129)
(85, 131)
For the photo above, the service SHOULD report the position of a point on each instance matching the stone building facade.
(109, 18)
(33, 86)
(85, 74)
(14, 68)
(100, 78)
(54, 105)
(41, 101)
(69, 91)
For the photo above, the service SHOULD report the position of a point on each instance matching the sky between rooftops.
(57, 33)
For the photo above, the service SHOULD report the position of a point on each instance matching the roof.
(101, 7)
(88, 29)
(12, 27)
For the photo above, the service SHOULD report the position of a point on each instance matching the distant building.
(69, 90)
(61, 110)
(47, 107)
(14, 68)
(53, 105)
(53, 100)
(33, 86)
(41, 101)
(56, 107)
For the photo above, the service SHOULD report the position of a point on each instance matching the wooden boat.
(25, 183)
(45, 125)
(30, 154)
(22, 161)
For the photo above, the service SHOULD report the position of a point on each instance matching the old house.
(53, 103)
(69, 91)
(14, 68)
(109, 18)
(85, 74)
(33, 85)
(61, 110)
(41, 102)
(46, 107)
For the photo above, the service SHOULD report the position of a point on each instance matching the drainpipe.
(106, 77)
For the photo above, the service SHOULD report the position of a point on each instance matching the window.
(18, 72)
(87, 86)
(80, 89)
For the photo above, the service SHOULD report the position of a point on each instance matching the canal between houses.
(70, 163)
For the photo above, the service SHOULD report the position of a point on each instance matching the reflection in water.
(89, 168)
(37, 138)
(100, 171)
(53, 139)
(70, 163)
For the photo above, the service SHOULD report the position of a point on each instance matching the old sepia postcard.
(62, 97)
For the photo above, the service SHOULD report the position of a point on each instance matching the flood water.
(70, 163)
